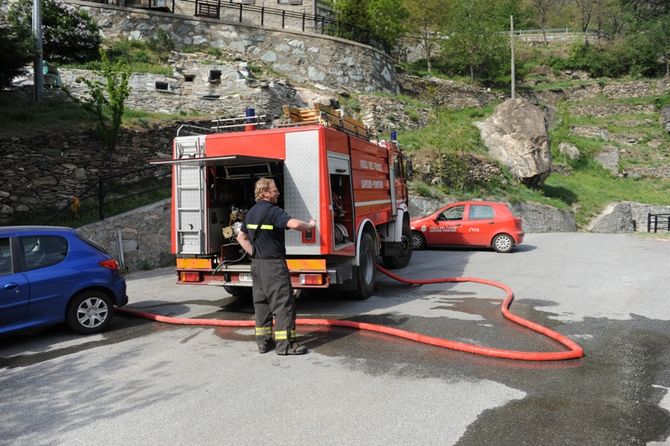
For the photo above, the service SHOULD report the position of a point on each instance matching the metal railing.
(656, 222)
(98, 199)
(226, 10)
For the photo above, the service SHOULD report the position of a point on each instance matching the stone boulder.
(616, 218)
(665, 118)
(626, 216)
(516, 136)
(570, 151)
(609, 159)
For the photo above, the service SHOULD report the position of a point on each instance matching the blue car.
(50, 275)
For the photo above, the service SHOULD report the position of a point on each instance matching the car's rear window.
(5, 257)
(92, 243)
(480, 212)
(40, 251)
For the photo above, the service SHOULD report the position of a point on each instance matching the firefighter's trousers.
(273, 296)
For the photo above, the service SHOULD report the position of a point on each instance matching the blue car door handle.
(9, 286)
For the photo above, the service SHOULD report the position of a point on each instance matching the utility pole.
(38, 75)
(511, 39)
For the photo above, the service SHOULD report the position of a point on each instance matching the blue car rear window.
(92, 244)
(5, 257)
(40, 251)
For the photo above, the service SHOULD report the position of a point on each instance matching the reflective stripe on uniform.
(285, 335)
(268, 227)
(263, 331)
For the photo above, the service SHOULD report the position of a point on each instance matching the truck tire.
(403, 259)
(365, 272)
(239, 291)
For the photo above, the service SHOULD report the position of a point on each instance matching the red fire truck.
(325, 167)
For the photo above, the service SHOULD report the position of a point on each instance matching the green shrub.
(12, 57)
(162, 44)
(70, 34)
(214, 52)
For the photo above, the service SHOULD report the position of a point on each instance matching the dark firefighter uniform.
(265, 224)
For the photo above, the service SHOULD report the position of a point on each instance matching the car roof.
(490, 203)
(34, 229)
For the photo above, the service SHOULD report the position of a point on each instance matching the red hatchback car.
(469, 223)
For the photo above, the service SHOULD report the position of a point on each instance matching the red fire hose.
(574, 350)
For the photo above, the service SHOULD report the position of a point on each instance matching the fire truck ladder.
(328, 116)
(189, 202)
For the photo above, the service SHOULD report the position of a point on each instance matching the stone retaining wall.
(536, 217)
(300, 57)
(43, 172)
(626, 216)
(143, 235)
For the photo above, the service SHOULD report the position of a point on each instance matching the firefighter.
(262, 237)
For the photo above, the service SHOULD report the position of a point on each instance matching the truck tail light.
(109, 264)
(189, 277)
(311, 279)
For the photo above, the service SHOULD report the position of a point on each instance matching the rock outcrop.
(626, 216)
(516, 135)
(446, 93)
(665, 118)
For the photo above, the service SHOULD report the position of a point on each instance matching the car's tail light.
(109, 264)
(311, 279)
(189, 277)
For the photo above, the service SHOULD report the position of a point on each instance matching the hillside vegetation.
(554, 76)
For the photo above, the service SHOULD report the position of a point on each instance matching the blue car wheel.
(89, 312)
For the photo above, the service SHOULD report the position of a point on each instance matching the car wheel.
(365, 272)
(401, 260)
(503, 243)
(89, 312)
(418, 240)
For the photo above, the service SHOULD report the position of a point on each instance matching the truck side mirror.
(408, 167)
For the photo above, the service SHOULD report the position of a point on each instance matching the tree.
(647, 9)
(369, 20)
(503, 9)
(387, 21)
(353, 20)
(70, 34)
(476, 43)
(427, 18)
(12, 57)
(106, 99)
(543, 8)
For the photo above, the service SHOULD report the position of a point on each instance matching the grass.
(449, 131)
(21, 115)
(590, 188)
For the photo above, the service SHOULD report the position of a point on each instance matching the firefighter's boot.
(264, 339)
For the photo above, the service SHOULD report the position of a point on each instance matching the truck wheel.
(365, 272)
(89, 312)
(401, 261)
(239, 291)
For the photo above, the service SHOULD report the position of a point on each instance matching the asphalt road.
(149, 383)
